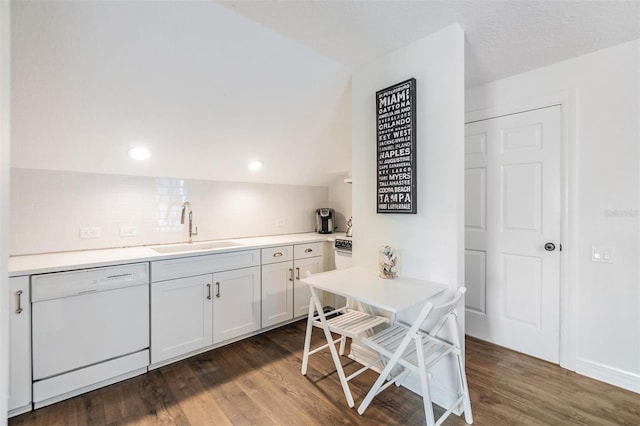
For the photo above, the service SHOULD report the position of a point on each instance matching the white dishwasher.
(90, 328)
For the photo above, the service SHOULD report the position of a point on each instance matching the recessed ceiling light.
(139, 153)
(255, 165)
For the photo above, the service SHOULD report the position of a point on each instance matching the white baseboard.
(607, 374)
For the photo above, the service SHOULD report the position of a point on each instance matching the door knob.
(549, 247)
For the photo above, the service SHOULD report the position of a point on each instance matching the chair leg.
(343, 340)
(332, 347)
(374, 389)
(466, 401)
(393, 361)
(424, 382)
(338, 364)
(307, 338)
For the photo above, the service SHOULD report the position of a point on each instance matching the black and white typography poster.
(396, 136)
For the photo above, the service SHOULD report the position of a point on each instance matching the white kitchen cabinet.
(199, 301)
(181, 313)
(283, 296)
(236, 303)
(19, 346)
(277, 293)
(301, 293)
(277, 285)
(181, 267)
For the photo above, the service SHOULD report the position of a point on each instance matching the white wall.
(49, 207)
(604, 188)
(340, 193)
(340, 199)
(206, 89)
(5, 79)
(431, 242)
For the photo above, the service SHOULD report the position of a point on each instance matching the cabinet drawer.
(163, 270)
(301, 251)
(277, 254)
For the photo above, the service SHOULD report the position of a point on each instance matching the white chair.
(347, 323)
(414, 350)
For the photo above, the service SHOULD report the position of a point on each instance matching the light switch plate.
(89, 232)
(602, 254)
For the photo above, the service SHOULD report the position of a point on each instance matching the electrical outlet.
(128, 231)
(89, 232)
(280, 222)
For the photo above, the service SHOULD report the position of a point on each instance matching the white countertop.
(65, 261)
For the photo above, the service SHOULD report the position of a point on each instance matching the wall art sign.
(396, 136)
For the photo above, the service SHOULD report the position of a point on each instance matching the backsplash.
(48, 208)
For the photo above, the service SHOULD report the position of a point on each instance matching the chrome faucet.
(187, 206)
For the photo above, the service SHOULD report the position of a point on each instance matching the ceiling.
(503, 38)
(212, 85)
(205, 89)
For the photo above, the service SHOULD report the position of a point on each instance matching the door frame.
(5, 136)
(569, 205)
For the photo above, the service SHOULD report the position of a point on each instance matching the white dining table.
(365, 286)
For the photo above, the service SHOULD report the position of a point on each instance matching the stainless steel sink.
(180, 248)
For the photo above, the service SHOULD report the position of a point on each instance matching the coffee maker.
(325, 219)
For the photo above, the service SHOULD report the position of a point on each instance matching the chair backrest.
(442, 313)
(436, 316)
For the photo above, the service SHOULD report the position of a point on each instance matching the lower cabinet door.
(277, 293)
(181, 313)
(301, 293)
(19, 346)
(236, 303)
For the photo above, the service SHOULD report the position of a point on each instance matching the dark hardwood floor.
(258, 381)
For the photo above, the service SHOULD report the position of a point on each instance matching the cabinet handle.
(297, 273)
(19, 309)
(277, 254)
(208, 291)
(218, 289)
(290, 274)
(308, 250)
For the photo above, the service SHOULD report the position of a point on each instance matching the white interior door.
(512, 211)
